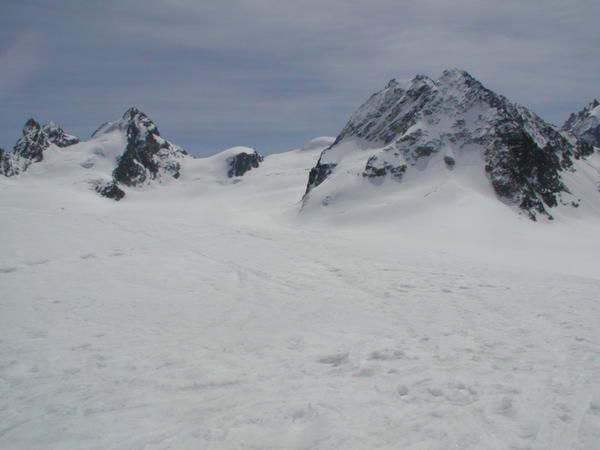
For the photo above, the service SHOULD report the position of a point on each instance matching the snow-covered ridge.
(322, 141)
(126, 154)
(451, 122)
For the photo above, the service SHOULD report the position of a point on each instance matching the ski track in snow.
(154, 327)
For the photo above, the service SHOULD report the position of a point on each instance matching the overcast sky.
(272, 74)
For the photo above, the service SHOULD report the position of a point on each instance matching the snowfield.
(210, 314)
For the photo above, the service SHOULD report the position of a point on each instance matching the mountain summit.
(410, 127)
(31, 146)
(147, 155)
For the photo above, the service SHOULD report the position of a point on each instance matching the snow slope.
(208, 313)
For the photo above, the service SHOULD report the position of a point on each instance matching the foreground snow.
(214, 315)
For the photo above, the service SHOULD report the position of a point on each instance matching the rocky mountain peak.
(147, 156)
(420, 121)
(132, 112)
(456, 74)
(31, 146)
(30, 126)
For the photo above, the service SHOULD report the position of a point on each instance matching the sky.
(274, 74)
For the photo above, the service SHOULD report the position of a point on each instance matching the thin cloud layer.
(273, 74)
(22, 58)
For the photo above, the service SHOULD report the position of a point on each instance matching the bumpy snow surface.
(211, 313)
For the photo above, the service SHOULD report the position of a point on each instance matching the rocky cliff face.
(414, 122)
(586, 124)
(5, 163)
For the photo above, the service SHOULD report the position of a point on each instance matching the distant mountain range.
(441, 132)
(132, 147)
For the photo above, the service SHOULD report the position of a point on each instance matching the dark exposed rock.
(318, 174)
(6, 168)
(147, 155)
(450, 162)
(527, 174)
(110, 190)
(243, 162)
(377, 167)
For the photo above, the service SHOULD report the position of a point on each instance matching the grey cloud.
(23, 57)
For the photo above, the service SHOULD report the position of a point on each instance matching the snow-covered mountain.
(147, 155)
(205, 312)
(31, 146)
(413, 145)
(586, 124)
(445, 131)
(128, 153)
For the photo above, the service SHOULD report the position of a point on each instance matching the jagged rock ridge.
(31, 146)
(414, 121)
(586, 124)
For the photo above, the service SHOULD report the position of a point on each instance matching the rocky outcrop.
(110, 190)
(241, 163)
(412, 122)
(586, 124)
(318, 174)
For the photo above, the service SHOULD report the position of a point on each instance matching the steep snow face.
(586, 124)
(31, 146)
(451, 122)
